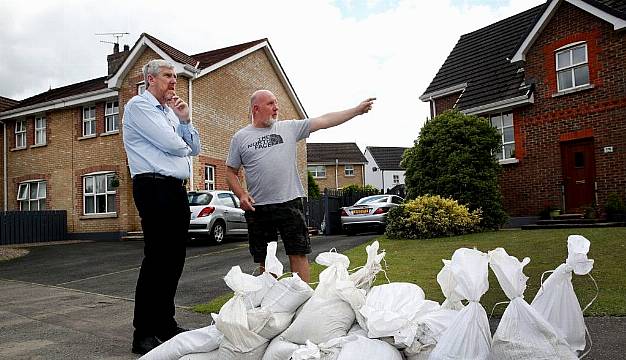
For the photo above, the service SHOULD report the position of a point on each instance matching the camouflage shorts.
(267, 220)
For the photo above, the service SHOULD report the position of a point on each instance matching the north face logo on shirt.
(266, 141)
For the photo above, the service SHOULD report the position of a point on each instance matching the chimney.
(117, 58)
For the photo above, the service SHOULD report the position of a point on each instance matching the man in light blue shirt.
(159, 140)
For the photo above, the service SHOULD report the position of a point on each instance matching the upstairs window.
(20, 134)
(111, 116)
(40, 130)
(141, 87)
(89, 120)
(32, 195)
(318, 171)
(209, 177)
(504, 123)
(396, 179)
(572, 67)
(99, 194)
(348, 170)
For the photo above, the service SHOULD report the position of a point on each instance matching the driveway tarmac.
(75, 301)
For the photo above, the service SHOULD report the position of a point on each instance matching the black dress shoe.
(171, 333)
(143, 344)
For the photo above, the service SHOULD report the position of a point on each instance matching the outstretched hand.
(365, 106)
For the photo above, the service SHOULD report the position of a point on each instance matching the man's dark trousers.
(164, 210)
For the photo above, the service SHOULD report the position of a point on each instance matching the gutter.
(5, 171)
(190, 82)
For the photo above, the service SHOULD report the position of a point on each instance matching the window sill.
(38, 145)
(349, 175)
(319, 177)
(110, 133)
(573, 90)
(98, 216)
(508, 161)
(19, 148)
(87, 137)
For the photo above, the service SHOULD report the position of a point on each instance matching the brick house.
(65, 149)
(552, 79)
(336, 165)
(383, 167)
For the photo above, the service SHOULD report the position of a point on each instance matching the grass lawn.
(419, 261)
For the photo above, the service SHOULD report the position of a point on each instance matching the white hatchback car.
(215, 214)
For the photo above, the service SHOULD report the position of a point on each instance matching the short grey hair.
(152, 68)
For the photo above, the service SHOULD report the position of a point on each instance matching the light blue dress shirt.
(155, 140)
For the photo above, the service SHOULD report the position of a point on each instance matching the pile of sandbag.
(346, 318)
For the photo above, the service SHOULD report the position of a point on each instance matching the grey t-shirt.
(268, 156)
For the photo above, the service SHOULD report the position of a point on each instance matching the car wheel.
(217, 233)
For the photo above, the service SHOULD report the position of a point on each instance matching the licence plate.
(360, 211)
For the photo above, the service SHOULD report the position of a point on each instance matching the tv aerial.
(116, 35)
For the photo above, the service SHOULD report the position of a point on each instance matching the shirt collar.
(152, 100)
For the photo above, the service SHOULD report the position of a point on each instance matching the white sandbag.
(266, 282)
(370, 349)
(556, 300)
(446, 281)
(356, 329)
(469, 336)
(324, 351)
(232, 320)
(272, 264)
(229, 351)
(287, 295)
(365, 276)
(337, 270)
(430, 327)
(392, 310)
(348, 292)
(320, 320)
(194, 341)
(212, 355)
(522, 332)
(268, 324)
(280, 349)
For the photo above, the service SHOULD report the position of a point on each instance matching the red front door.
(578, 174)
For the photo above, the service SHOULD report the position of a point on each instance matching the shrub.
(614, 205)
(454, 157)
(353, 188)
(429, 217)
(314, 189)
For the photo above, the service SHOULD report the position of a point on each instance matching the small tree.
(314, 189)
(453, 157)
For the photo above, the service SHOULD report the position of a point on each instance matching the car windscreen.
(372, 199)
(199, 199)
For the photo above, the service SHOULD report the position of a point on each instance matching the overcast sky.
(335, 53)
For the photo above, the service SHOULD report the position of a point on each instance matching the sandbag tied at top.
(232, 320)
(365, 276)
(522, 332)
(325, 315)
(394, 310)
(204, 340)
(448, 284)
(556, 300)
(469, 336)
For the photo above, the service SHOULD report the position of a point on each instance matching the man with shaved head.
(273, 200)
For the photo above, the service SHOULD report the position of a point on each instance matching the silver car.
(215, 214)
(368, 213)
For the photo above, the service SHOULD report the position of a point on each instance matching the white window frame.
(26, 198)
(318, 171)
(571, 67)
(209, 177)
(111, 116)
(348, 170)
(396, 179)
(500, 127)
(95, 193)
(20, 134)
(40, 130)
(89, 123)
(141, 88)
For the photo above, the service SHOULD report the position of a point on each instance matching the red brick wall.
(598, 113)
(446, 103)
